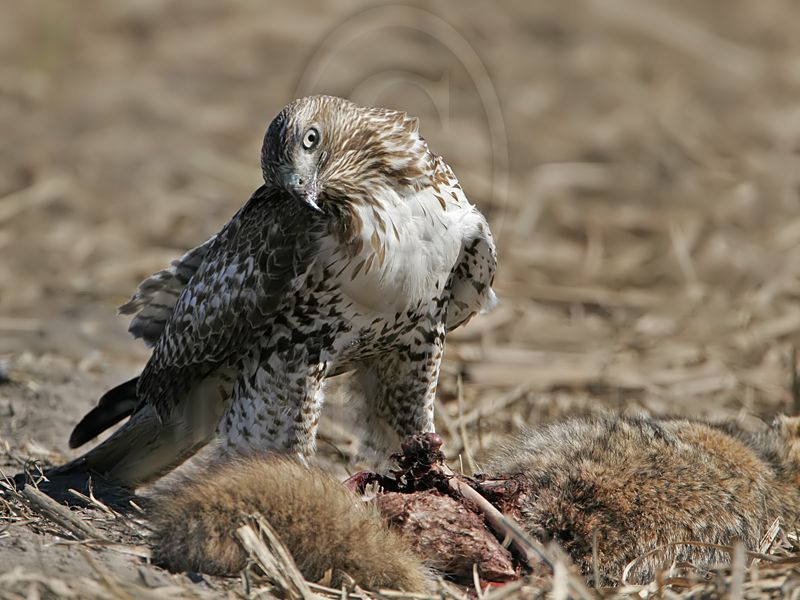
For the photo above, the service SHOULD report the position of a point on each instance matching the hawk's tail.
(146, 446)
(115, 405)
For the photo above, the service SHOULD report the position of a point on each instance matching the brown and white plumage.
(359, 253)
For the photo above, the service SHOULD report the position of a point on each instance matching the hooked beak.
(311, 198)
(306, 191)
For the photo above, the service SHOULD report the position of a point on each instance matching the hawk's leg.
(276, 406)
(400, 387)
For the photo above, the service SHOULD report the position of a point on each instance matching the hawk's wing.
(155, 299)
(471, 285)
(471, 279)
(249, 269)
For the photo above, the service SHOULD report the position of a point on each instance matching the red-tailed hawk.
(358, 253)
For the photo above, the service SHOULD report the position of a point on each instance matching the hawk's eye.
(311, 138)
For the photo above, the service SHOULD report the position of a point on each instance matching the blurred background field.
(639, 163)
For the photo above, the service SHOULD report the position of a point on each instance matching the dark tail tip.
(115, 405)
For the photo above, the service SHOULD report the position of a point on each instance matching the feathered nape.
(370, 154)
(369, 147)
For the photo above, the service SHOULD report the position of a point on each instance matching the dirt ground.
(639, 163)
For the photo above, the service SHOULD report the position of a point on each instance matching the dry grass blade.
(506, 591)
(131, 550)
(770, 536)
(738, 572)
(60, 515)
(450, 427)
(530, 550)
(565, 571)
(264, 546)
(476, 581)
(560, 589)
(775, 560)
(91, 500)
(462, 428)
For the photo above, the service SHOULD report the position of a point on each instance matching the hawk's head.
(325, 149)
